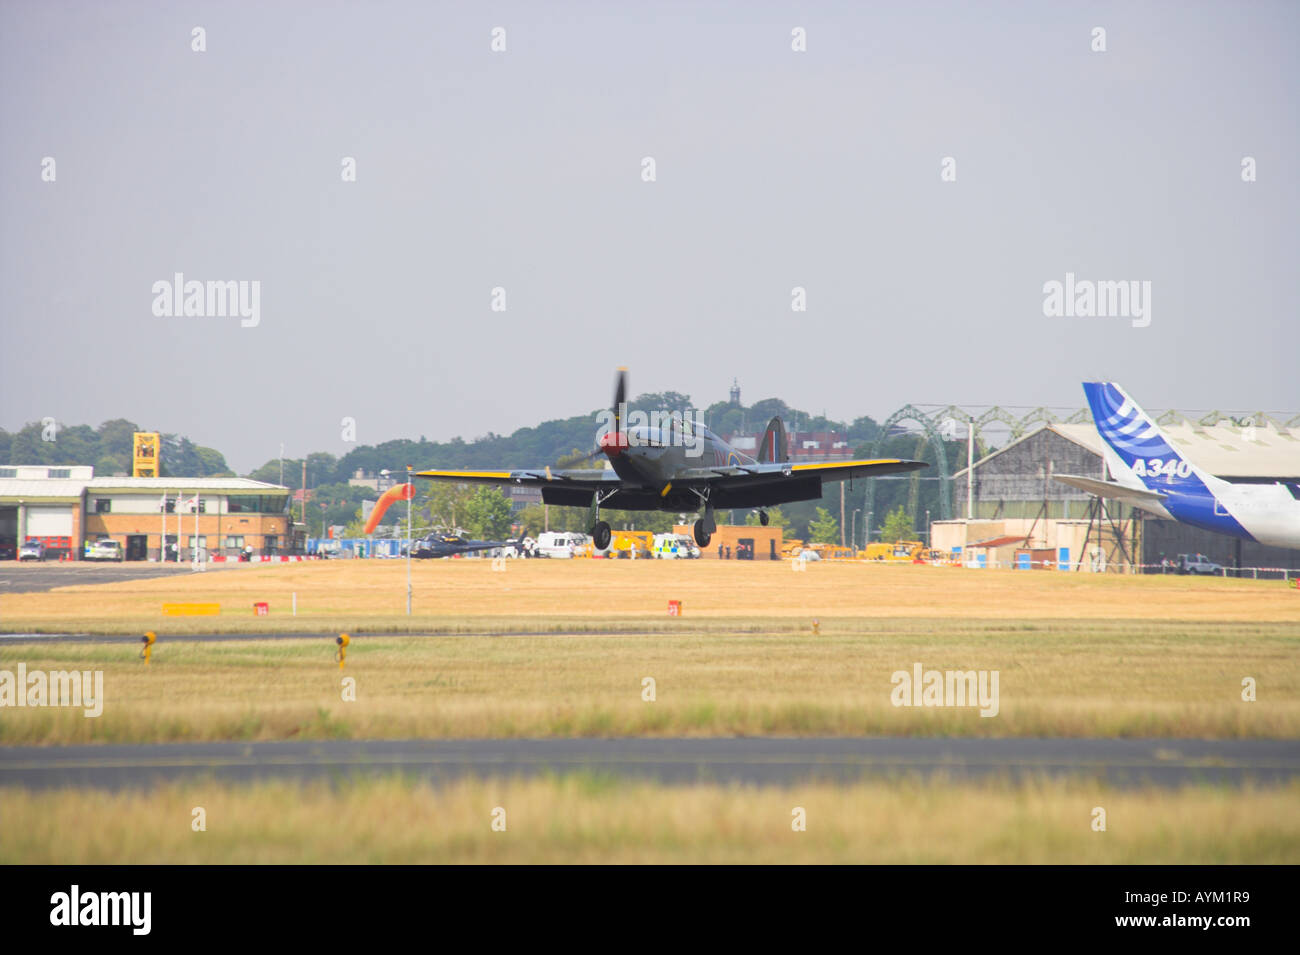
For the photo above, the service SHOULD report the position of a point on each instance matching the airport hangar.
(64, 507)
(1017, 506)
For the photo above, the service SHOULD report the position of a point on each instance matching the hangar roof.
(1224, 449)
(53, 489)
(71, 489)
(182, 484)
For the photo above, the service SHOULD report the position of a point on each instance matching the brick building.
(66, 508)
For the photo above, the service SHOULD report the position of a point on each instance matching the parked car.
(1197, 564)
(8, 551)
(31, 550)
(105, 549)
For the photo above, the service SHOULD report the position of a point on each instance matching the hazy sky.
(523, 170)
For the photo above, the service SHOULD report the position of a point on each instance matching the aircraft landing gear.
(763, 518)
(599, 530)
(705, 525)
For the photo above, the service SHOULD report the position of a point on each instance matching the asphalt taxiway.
(752, 761)
(17, 577)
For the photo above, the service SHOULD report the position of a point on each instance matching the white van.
(674, 546)
(563, 544)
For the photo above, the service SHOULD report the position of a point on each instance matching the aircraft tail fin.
(774, 447)
(1137, 450)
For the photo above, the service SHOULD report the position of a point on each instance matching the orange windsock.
(398, 492)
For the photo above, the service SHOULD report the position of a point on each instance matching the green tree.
(825, 529)
(334, 504)
(445, 504)
(109, 466)
(533, 519)
(898, 526)
(117, 437)
(488, 514)
(321, 468)
(355, 527)
(774, 518)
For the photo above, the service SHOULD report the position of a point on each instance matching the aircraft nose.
(613, 443)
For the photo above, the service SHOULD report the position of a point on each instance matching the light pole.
(853, 536)
(385, 473)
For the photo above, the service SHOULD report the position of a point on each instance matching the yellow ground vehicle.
(899, 551)
(791, 547)
(635, 545)
(623, 545)
(831, 551)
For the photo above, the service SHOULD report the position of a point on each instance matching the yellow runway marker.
(191, 610)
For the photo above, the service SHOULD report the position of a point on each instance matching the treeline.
(549, 443)
(561, 441)
(107, 448)
(554, 442)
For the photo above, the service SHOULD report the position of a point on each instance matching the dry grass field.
(585, 819)
(1176, 680)
(561, 649)
(1078, 655)
(541, 595)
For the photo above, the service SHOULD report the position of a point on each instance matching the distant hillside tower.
(735, 392)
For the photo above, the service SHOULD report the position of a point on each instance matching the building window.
(235, 540)
(203, 541)
(59, 472)
(271, 543)
(8, 472)
(103, 505)
(256, 504)
(170, 505)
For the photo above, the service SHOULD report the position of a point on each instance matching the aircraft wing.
(1150, 500)
(728, 485)
(580, 477)
(744, 475)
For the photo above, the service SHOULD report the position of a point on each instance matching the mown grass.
(1057, 678)
(593, 819)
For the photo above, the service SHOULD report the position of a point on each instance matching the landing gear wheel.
(600, 535)
(701, 535)
(763, 518)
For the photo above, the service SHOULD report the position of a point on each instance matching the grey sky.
(522, 170)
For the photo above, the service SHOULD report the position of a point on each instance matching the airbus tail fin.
(1138, 452)
(774, 447)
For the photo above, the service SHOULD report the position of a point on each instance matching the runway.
(764, 762)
